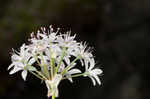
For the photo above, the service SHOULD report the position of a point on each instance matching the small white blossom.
(93, 73)
(20, 60)
(66, 40)
(85, 54)
(37, 46)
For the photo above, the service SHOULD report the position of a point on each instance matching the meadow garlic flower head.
(56, 55)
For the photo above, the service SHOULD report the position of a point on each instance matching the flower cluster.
(52, 57)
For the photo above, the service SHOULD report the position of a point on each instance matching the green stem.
(51, 62)
(36, 75)
(40, 74)
(61, 59)
(74, 76)
(53, 96)
(36, 58)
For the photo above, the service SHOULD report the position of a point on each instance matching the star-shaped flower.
(93, 73)
(20, 60)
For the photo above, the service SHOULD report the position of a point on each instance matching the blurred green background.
(119, 30)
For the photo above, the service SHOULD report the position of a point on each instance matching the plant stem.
(61, 59)
(51, 62)
(36, 75)
(53, 96)
(40, 74)
(36, 58)
(75, 75)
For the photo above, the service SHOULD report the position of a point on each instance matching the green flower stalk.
(53, 52)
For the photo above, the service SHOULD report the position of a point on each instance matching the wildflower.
(52, 57)
(85, 54)
(93, 73)
(37, 46)
(20, 60)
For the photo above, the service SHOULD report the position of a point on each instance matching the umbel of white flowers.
(52, 57)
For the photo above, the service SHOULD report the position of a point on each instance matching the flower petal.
(10, 66)
(93, 80)
(97, 79)
(24, 74)
(31, 61)
(92, 63)
(70, 79)
(73, 71)
(15, 57)
(82, 63)
(67, 60)
(15, 69)
(97, 71)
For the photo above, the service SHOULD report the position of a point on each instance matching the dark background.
(119, 30)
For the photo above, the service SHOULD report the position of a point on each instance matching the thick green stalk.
(53, 96)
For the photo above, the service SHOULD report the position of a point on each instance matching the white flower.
(93, 73)
(50, 38)
(85, 54)
(20, 61)
(37, 46)
(47, 36)
(66, 40)
(53, 57)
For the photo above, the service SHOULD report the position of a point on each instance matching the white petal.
(92, 63)
(26, 56)
(67, 60)
(70, 79)
(86, 64)
(42, 35)
(10, 66)
(97, 71)
(73, 71)
(97, 79)
(15, 69)
(22, 48)
(81, 62)
(93, 80)
(15, 57)
(24, 74)
(31, 61)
